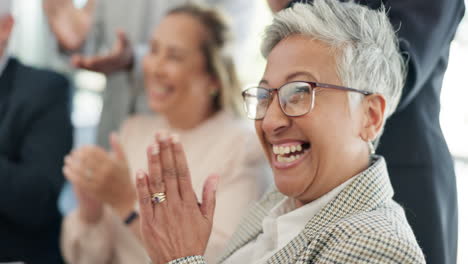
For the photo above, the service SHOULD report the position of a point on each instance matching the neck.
(189, 118)
(333, 179)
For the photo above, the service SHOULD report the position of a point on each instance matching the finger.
(99, 63)
(209, 197)
(76, 61)
(122, 41)
(168, 169)
(92, 157)
(76, 175)
(144, 196)
(94, 163)
(116, 148)
(155, 180)
(73, 170)
(183, 173)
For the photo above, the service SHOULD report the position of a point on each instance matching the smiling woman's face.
(330, 135)
(175, 67)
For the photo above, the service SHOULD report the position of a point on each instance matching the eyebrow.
(309, 77)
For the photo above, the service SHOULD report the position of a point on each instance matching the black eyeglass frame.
(313, 86)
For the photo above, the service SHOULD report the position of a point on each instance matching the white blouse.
(283, 223)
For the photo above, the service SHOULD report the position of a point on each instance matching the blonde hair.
(218, 63)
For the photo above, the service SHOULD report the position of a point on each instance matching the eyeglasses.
(295, 98)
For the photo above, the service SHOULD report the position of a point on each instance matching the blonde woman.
(192, 86)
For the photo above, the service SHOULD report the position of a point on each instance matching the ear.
(213, 86)
(6, 26)
(374, 115)
(277, 5)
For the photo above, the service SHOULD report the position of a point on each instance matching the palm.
(180, 226)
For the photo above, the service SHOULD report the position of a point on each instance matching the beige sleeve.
(125, 132)
(87, 243)
(242, 183)
(107, 242)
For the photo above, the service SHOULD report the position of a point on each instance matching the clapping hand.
(102, 175)
(120, 58)
(173, 223)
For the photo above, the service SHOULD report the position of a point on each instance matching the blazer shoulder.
(40, 83)
(381, 235)
(388, 219)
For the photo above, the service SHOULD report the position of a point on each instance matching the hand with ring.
(102, 175)
(173, 223)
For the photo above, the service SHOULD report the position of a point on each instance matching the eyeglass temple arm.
(331, 86)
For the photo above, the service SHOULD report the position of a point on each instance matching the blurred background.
(31, 27)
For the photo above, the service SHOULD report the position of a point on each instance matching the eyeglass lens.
(295, 98)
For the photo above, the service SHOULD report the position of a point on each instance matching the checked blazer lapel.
(251, 225)
(369, 190)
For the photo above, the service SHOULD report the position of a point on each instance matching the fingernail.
(155, 149)
(175, 138)
(163, 136)
(215, 181)
(140, 174)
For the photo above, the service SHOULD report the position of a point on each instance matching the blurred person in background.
(108, 36)
(191, 84)
(35, 135)
(111, 36)
(419, 162)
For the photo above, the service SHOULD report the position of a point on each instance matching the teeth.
(283, 159)
(161, 89)
(279, 150)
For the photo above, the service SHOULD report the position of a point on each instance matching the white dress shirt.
(282, 225)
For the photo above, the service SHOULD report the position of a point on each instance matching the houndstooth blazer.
(361, 225)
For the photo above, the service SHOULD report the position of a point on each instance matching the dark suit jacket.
(35, 135)
(419, 163)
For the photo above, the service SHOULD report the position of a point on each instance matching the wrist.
(131, 217)
(126, 206)
(90, 215)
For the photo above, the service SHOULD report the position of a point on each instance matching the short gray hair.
(365, 42)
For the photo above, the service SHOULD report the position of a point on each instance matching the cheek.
(261, 137)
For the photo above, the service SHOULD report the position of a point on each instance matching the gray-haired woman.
(333, 198)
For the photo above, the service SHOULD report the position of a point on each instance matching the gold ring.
(158, 197)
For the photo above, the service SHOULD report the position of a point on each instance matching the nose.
(275, 121)
(154, 64)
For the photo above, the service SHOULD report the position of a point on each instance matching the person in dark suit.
(419, 162)
(35, 135)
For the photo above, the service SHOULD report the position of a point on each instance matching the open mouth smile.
(288, 155)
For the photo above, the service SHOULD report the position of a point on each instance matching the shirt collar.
(290, 221)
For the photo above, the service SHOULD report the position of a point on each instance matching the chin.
(288, 186)
(157, 107)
